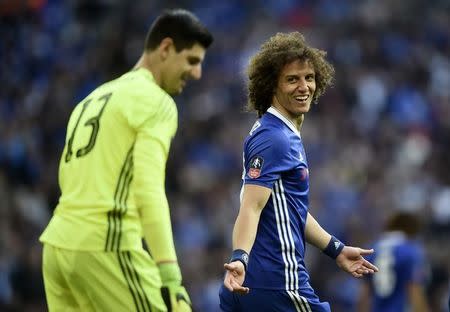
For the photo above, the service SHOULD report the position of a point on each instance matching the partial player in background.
(399, 286)
(266, 271)
(112, 180)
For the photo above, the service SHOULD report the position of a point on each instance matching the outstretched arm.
(254, 199)
(350, 259)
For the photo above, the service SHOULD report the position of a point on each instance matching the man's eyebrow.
(297, 75)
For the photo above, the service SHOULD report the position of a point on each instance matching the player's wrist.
(333, 248)
(240, 255)
(170, 273)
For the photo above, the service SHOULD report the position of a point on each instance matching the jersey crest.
(255, 167)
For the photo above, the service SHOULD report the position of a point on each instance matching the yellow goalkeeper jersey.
(112, 170)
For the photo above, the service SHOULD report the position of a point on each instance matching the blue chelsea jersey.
(274, 157)
(401, 261)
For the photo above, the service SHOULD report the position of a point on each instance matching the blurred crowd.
(377, 142)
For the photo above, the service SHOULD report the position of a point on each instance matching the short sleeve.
(266, 156)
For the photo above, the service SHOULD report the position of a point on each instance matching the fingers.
(232, 285)
(370, 266)
(364, 268)
(365, 252)
(229, 266)
(238, 288)
(233, 266)
(364, 271)
(361, 271)
(357, 275)
(232, 281)
(227, 282)
(374, 267)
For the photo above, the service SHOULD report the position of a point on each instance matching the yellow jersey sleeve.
(112, 169)
(150, 194)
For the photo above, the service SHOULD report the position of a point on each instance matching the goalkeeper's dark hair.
(182, 26)
(265, 67)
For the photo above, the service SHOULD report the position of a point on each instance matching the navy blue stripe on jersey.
(131, 286)
(114, 233)
(137, 280)
(123, 198)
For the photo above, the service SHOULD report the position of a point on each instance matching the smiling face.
(295, 89)
(180, 67)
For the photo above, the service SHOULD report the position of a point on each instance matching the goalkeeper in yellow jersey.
(112, 178)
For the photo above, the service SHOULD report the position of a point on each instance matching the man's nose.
(302, 85)
(196, 72)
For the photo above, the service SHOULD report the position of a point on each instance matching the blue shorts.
(265, 300)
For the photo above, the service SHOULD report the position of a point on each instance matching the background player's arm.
(254, 198)
(350, 259)
(364, 302)
(417, 298)
(417, 279)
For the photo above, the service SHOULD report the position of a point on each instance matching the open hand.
(234, 277)
(351, 260)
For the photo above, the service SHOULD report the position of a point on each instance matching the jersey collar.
(288, 123)
(148, 74)
(393, 236)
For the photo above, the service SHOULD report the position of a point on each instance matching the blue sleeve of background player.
(266, 156)
(418, 273)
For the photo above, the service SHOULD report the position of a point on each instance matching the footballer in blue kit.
(277, 144)
(400, 284)
(275, 158)
(266, 271)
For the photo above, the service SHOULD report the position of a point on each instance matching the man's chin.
(302, 110)
(176, 92)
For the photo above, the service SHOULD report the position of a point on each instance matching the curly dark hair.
(274, 54)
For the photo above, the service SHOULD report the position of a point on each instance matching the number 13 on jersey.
(93, 121)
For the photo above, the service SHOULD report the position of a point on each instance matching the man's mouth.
(301, 98)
